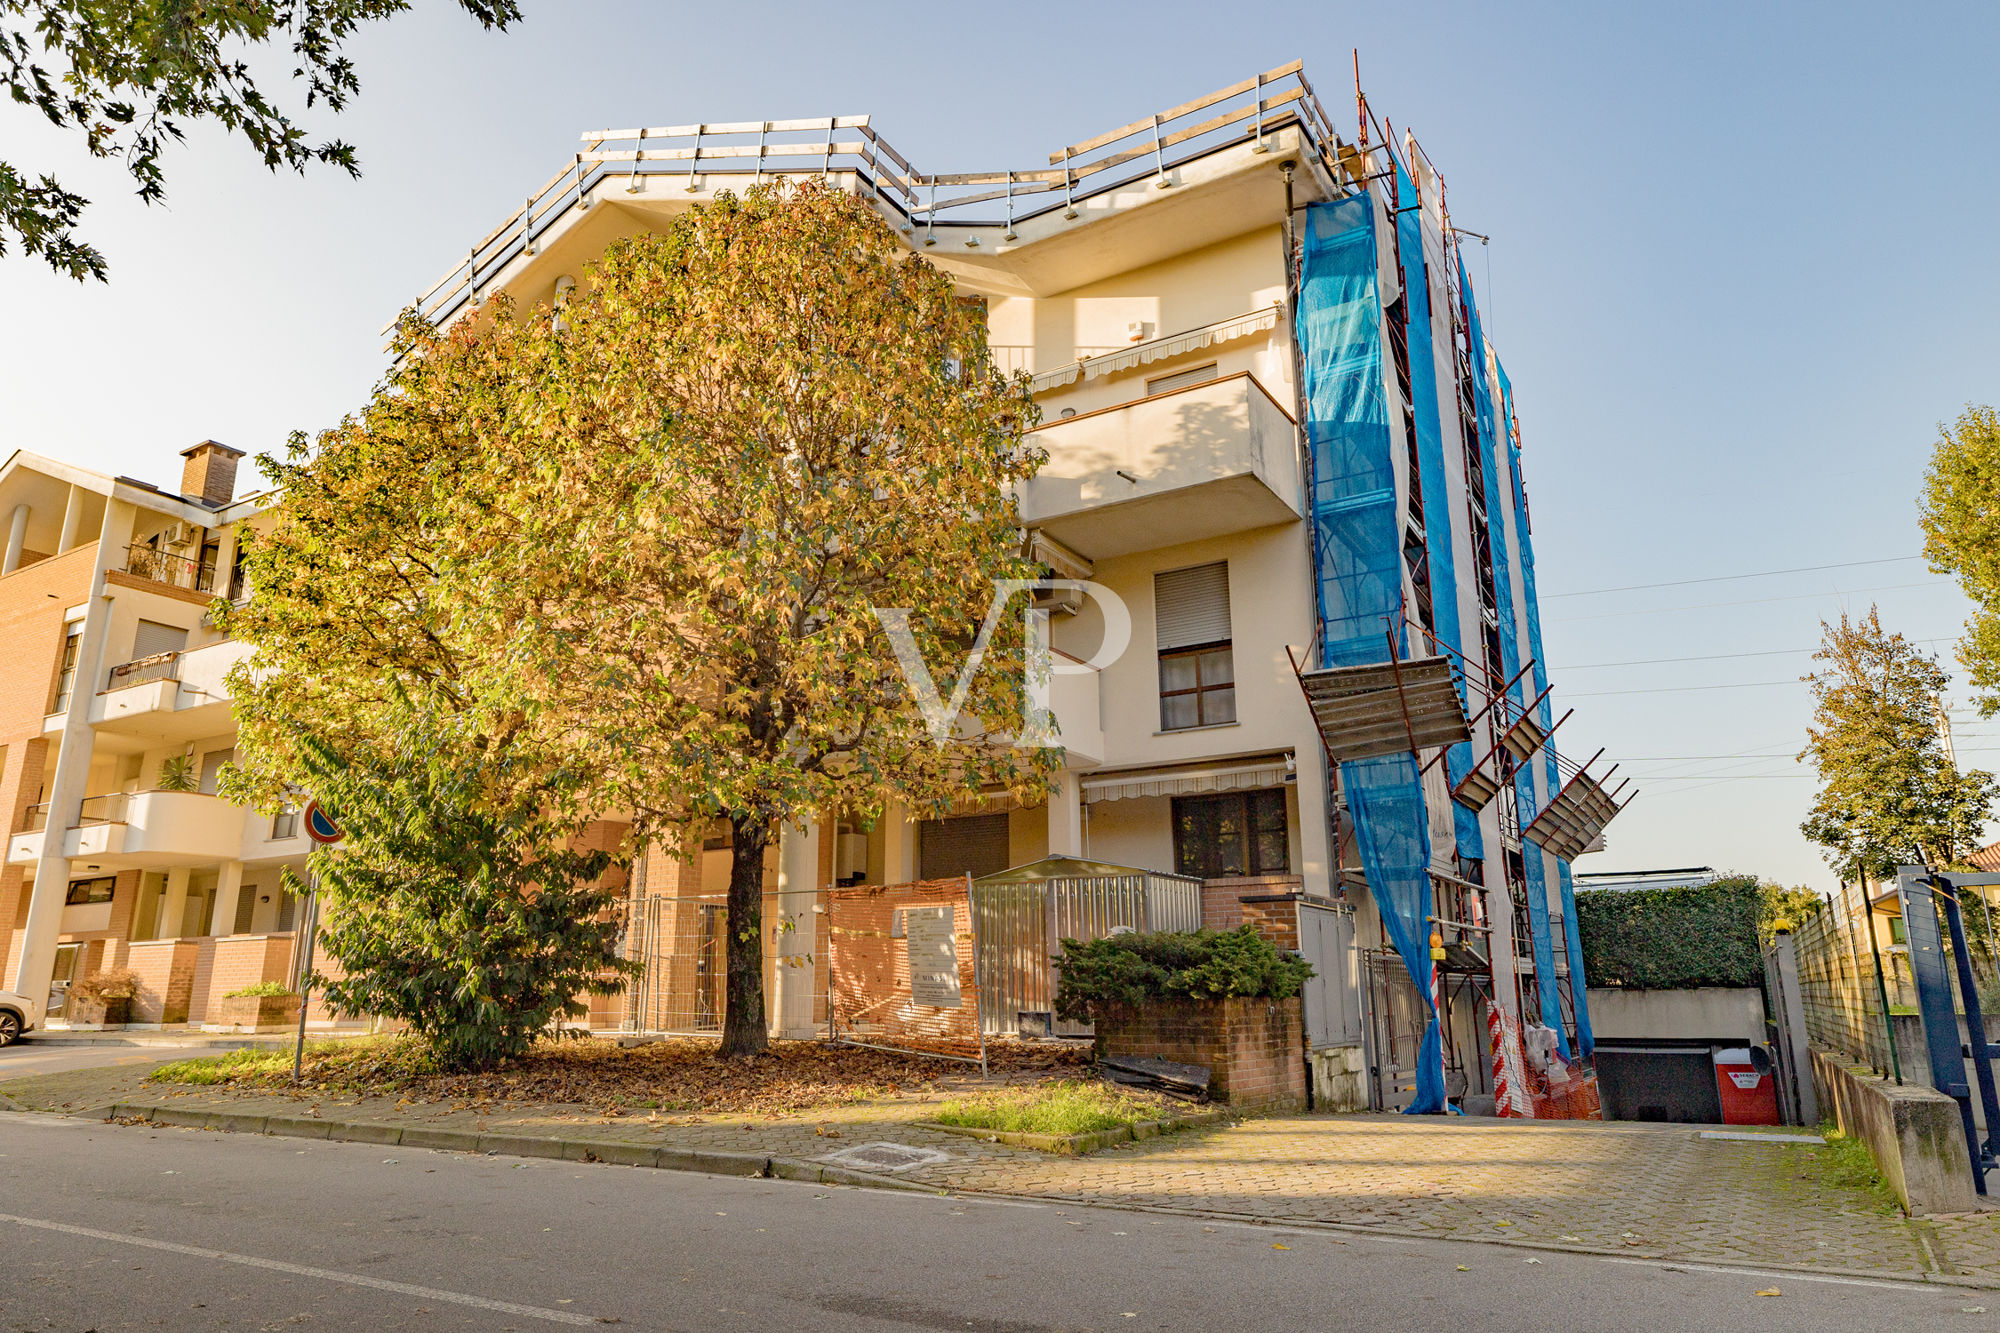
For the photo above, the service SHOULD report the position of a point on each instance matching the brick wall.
(245, 960)
(166, 971)
(1254, 1049)
(1268, 902)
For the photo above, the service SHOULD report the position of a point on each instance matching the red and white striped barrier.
(1510, 1081)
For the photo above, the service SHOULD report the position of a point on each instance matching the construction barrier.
(902, 967)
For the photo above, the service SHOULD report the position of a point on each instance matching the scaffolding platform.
(1572, 820)
(1386, 707)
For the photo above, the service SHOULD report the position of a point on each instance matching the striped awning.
(1158, 349)
(1242, 776)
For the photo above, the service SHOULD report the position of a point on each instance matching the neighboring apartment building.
(1151, 281)
(114, 701)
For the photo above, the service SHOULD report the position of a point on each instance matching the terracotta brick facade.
(166, 971)
(245, 960)
(1254, 1049)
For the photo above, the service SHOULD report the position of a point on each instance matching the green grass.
(1846, 1163)
(1061, 1108)
(255, 1066)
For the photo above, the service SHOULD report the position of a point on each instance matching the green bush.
(262, 990)
(1672, 939)
(1126, 971)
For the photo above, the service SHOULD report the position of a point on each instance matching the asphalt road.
(111, 1228)
(26, 1058)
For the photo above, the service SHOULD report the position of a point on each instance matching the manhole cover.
(885, 1157)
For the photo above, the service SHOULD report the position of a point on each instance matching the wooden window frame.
(1202, 692)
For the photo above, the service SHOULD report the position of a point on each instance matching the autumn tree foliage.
(1889, 791)
(1960, 514)
(642, 538)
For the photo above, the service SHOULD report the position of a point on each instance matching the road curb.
(611, 1152)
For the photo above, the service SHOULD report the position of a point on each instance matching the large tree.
(1889, 790)
(1960, 513)
(754, 432)
(662, 531)
(128, 77)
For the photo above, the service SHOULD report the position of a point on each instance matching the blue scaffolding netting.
(1435, 485)
(1357, 548)
(1551, 772)
(1498, 510)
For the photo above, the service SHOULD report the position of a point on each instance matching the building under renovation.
(1275, 433)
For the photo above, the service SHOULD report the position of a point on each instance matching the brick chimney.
(210, 473)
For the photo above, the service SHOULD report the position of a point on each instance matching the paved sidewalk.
(1647, 1191)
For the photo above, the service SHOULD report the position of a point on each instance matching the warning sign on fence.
(933, 956)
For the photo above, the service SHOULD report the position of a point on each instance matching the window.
(285, 824)
(83, 892)
(1236, 833)
(66, 678)
(1197, 669)
(211, 769)
(1180, 379)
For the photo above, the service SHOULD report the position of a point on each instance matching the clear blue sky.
(1740, 269)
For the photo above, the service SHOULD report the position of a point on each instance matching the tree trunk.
(744, 1031)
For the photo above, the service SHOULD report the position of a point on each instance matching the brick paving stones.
(1650, 1191)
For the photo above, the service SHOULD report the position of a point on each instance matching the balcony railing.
(175, 571)
(108, 808)
(143, 670)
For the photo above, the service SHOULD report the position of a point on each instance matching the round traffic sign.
(320, 826)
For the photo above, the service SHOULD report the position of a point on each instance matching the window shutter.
(1191, 606)
(1180, 379)
(154, 637)
(971, 844)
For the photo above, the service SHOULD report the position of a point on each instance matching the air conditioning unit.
(180, 534)
(1138, 331)
(1059, 601)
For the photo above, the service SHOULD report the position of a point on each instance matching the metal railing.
(689, 158)
(143, 671)
(106, 808)
(175, 571)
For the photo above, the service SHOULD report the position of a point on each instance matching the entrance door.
(68, 958)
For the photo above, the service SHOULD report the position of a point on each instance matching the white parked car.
(16, 1017)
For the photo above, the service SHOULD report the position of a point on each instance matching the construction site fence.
(902, 968)
(681, 944)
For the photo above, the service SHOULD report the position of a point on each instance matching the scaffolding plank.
(1573, 818)
(1386, 708)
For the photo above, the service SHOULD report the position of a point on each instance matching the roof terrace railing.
(691, 157)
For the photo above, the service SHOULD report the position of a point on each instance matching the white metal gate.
(1333, 996)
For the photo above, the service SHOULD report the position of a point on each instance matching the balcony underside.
(1168, 518)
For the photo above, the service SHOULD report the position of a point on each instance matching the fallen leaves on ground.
(683, 1076)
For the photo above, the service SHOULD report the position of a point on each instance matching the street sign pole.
(324, 833)
(308, 935)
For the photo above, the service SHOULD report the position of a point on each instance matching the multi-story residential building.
(114, 727)
(1275, 436)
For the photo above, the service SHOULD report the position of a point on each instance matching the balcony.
(169, 570)
(120, 830)
(1175, 467)
(169, 697)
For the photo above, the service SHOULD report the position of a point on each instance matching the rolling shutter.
(969, 845)
(1191, 606)
(153, 637)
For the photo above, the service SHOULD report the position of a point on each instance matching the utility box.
(1747, 1086)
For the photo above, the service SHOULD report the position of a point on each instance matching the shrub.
(1126, 971)
(262, 990)
(117, 983)
(1672, 939)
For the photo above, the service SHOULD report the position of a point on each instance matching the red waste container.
(1748, 1088)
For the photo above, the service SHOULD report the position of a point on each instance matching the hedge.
(1126, 971)
(1672, 939)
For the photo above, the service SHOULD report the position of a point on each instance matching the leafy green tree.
(1889, 791)
(1960, 514)
(645, 537)
(129, 76)
(457, 901)
(1785, 909)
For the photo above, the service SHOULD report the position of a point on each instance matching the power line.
(1677, 689)
(1753, 601)
(1725, 578)
(1705, 657)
